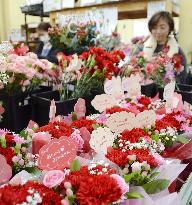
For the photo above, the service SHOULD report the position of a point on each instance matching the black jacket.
(51, 56)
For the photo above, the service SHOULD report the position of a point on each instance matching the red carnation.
(8, 153)
(177, 60)
(101, 190)
(10, 140)
(118, 157)
(168, 121)
(144, 101)
(116, 109)
(134, 135)
(75, 177)
(56, 129)
(9, 194)
(83, 122)
(143, 155)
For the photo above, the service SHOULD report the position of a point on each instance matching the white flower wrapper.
(167, 199)
(170, 170)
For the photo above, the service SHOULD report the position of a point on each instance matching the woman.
(45, 49)
(161, 26)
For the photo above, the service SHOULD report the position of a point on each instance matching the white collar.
(150, 45)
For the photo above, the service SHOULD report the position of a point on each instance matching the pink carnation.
(121, 183)
(77, 137)
(160, 160)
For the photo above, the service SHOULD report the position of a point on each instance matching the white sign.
(68, 4)
(101, 139)
(105, 19)
(51, 5)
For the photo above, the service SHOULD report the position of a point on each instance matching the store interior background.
(12, 18)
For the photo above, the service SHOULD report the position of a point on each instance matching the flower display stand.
(17, 109)
(186, 92)
(41, 104)
(150, 90)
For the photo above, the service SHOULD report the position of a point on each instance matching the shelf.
(34, 10)
(127, 9)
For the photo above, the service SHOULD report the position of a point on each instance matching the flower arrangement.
(96, 183)
(29, 193)
(15, 150)
(109, 42)
(98, 65)
(137, 155)
(90, 70)
(73, 38)
(25, 73)
(20, 49)
(162, 69)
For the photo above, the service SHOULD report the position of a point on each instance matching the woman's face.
(161, 31)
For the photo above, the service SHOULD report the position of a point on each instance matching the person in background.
(163, 36)
(45, 49)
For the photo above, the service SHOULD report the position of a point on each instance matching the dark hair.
(165, 16)
(44, 26)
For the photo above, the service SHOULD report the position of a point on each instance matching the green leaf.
(134, 195)
(95, 126)
(129, 177)
(154, 174)
(155, 138)
(71, 199)
(74, 116)
(156, 186)
(182, 139)
(23, 134)
(75, 165)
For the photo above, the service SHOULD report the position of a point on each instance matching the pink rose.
(53, 178)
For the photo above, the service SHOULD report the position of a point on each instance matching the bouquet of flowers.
(29, 193)
(96, 183)
(109, 42)
(162, 69)
(90, 70)
(25, 73)
(98, 65)
(134, 65)
(73, 38)
(20, 49)
(15, 149)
